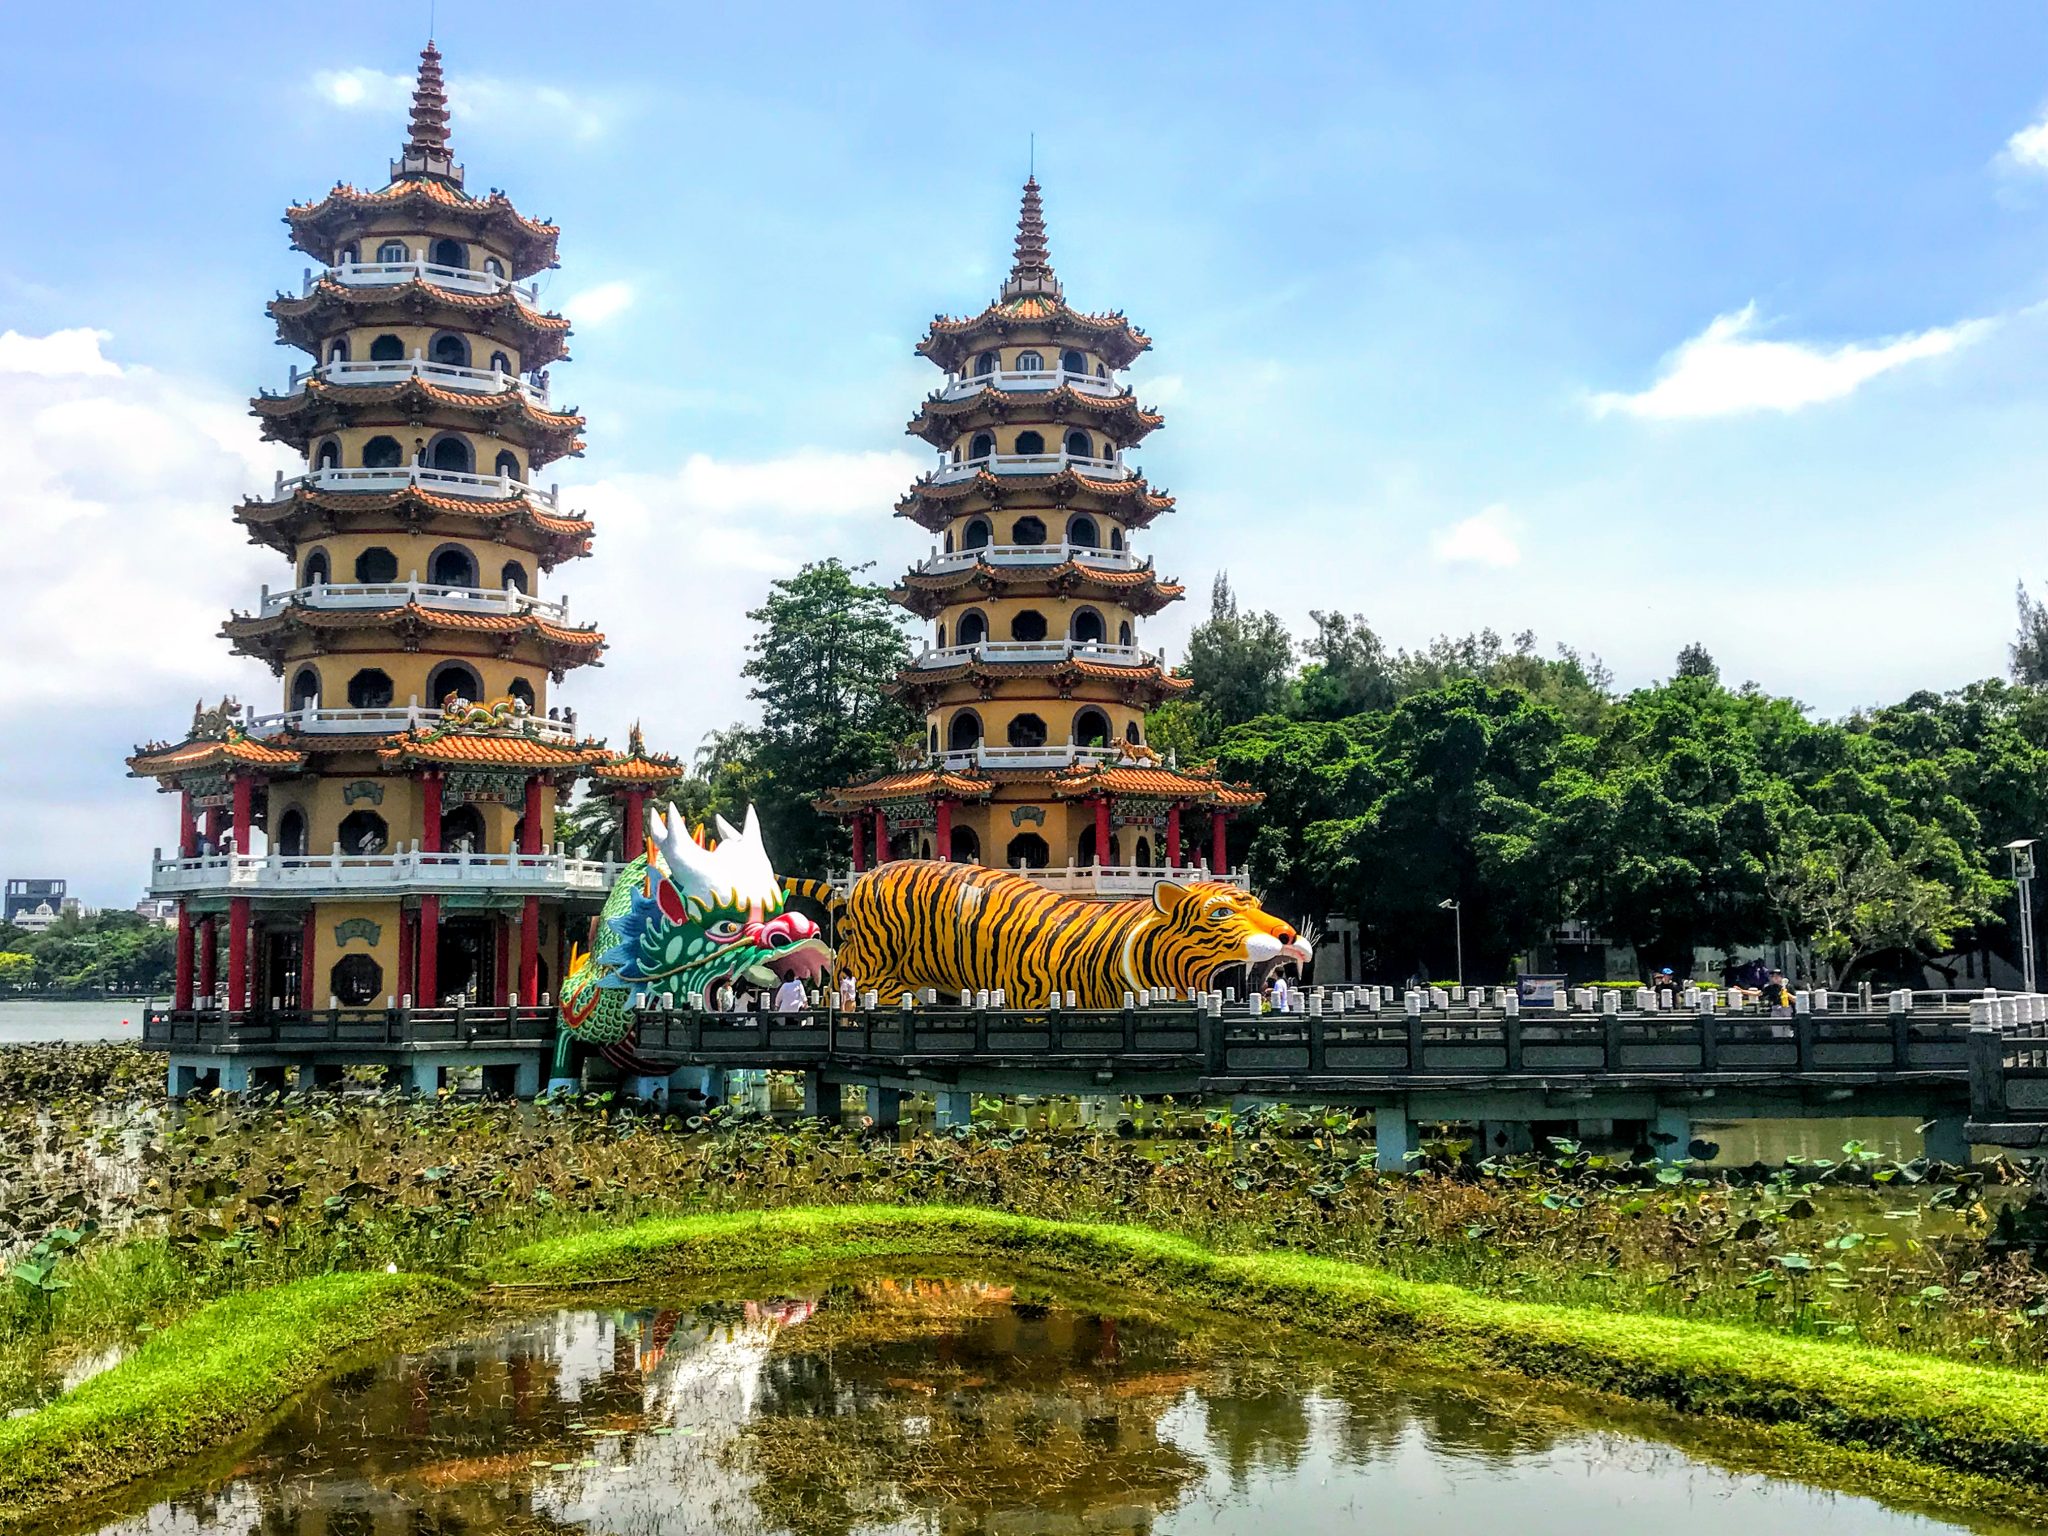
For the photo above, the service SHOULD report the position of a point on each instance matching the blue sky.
(1632, 325)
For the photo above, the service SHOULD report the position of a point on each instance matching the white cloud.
(594, 306)
(2027, 149)
(359, 87)
(498, 104)
(1485, 538)
(1727, 370)
(56, 355)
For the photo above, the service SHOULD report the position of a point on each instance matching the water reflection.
(954, 1407)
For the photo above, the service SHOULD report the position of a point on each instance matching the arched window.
(966, 846)
(1123, 633)
(376, 564)
(495, 267)
(973, 627)
(451, 453)
(1101, 372)
(1082, 531)
(393, 250)
(453, 678)
(382, 452)
(902, 845)
(513, 577)
(1030, 362)
(316, 568)
(1091, 729)
(941, 645)
(932, 739)
(1133, 735)
(1116, 537)
(329, 455)
(521, 690)
(449, 253)
(1028, 625)
(346, 256)
(1027, 731)
(977, 535)
(1027, 850)
(451, 349)
(501, 362)
(387, 349)
(1073, 362)
(452, 566)
(291, 833)
(337, 350)
(357, 980)
(1142, 855)
(462, 830)
(948, 546)
(1029, 442)
(364, 832)
(985, 364)
(982, 446)
(1087, 627)
(369, 689)
(963, 731)
(1027, 530)
(305, 689)
(1079, 447)
(508, 464)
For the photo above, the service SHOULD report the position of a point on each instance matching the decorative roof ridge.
(371, 293)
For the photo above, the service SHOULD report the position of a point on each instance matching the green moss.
(210, 1378)
(1982, 1420)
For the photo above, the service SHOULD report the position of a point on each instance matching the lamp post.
(1450, 905)
(2022, 851)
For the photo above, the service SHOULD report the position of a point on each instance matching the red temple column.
(181, 987)
(860, 841)
(244, 820)
(633, 825)
(430, 812)
(213, 821)
(426, 990)
(529, 827)
(881, 836)
(1173, 837)
(945, 831)
(207, 945)
(1219, 854)
(238, 949)
(529, 951)
(305, 1001)
(1102, 829)
(188, 829)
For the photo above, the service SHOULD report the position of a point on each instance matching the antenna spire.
(426, 143)
(1031, 272)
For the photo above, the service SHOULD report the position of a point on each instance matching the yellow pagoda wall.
(419, 339)
(409, 671)
(415, 552)
(419, 235)
(327, 916)
(485, 447)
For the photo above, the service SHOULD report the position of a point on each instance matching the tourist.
(722, 1000)
(789, 997)
(1278, 992)
(849, 992)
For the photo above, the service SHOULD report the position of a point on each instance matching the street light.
(2022, 851)
(1450, 905)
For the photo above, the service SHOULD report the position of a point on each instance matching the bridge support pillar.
(421, 1077)
(648, 1090)
(1944, 1141)
(322, 1076)
(1671, 1134)
(1393, 1138)
(706, 1083)
(184, 1079)
(749, 1090)
(823, 1100)
(1505, 1138)
(955, 1106)
(885, 1108)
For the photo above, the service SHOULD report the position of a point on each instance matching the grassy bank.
(219, 1373)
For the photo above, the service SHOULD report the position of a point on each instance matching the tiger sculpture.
(920, 923)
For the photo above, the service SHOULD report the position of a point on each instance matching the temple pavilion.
(381, 843)
(1034, 683)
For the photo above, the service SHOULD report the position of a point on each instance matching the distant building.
(160, 910)
(35, 919)
(27, 896)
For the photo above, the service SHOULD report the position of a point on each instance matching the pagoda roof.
(932, 504)
(1141, 590)
(348, 212)
(309, 513)
(635, 768)
(268, 637)
(1140, 773)
(942, 418)
(499, 735)
(909, 784)
(318, 406)
(305, 320)
(1147, 684)
(1033, 317)
(216, 743)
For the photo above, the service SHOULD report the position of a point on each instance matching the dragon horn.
(726, 830)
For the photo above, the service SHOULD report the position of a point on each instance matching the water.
(972, 1406)
(24, 1019)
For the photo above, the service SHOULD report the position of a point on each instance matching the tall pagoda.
(1034, 684)
(382, 840)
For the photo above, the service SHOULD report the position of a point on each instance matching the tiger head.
(1210, 925)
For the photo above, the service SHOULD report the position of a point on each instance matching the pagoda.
(382, 841)
(1034, 684)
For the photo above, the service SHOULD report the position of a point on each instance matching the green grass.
(221, 1372)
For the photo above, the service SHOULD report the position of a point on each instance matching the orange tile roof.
(951, 341)
(317, 406)
(157, 759)
(297, 615)
(317, 228)
(1148, 681)
(927, 593)
(1152, 780)
(638, 773)
(1135, 503)
(908, 784)
(280, 524)
(939, 420)
(486, 751)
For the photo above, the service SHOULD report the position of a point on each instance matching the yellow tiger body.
(918, 923)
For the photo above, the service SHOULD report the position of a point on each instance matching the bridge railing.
(324, 1029)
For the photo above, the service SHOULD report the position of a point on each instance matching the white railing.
(474, 381)
(958, 386)
(427, 594)
(1037, 650)
(315, 721)
(445, 482)
(555, 871)
(1029, 464)
(1119, 881)
(378, 274)
(1028, 757)
(1034, 554)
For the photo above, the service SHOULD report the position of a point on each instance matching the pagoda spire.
(426, 145)
(1031, 272)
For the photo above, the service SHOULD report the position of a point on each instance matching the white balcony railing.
(411, 870)
(315, 721)
(1029, 464)
(397, 594)
(958, 386)
(473, 381)
(1048, 756)
(1034, 554)
(444, 482)
(378, 274)
(1037, 650)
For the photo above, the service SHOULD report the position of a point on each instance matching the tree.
(2030, 649)
(1848, 899)
(1240, 663)
(1694, 661)
(1347, 671)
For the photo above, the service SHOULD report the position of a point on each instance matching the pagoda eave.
(305, 322)
(348, 212)
(288, 522)
(273, 637)
(951, 341)
(923, 687)
(317, 407)
(933, 504)
(940, 421)
(1140, 590)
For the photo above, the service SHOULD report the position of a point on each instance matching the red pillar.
(213, 821)
(945, 833)
(238, 945)
(881, 836)
(529, 952)
(245, 788)
(430, 813)
(181, 988)
(1173, 837)
(305, 1001)
(207, 943)
(529, 830)
(188, 830)
(633, 825)
(426, 991)
(1102, 829)
(1219, 856)
(860, 841)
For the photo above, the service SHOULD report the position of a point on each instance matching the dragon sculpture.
(682, 918)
